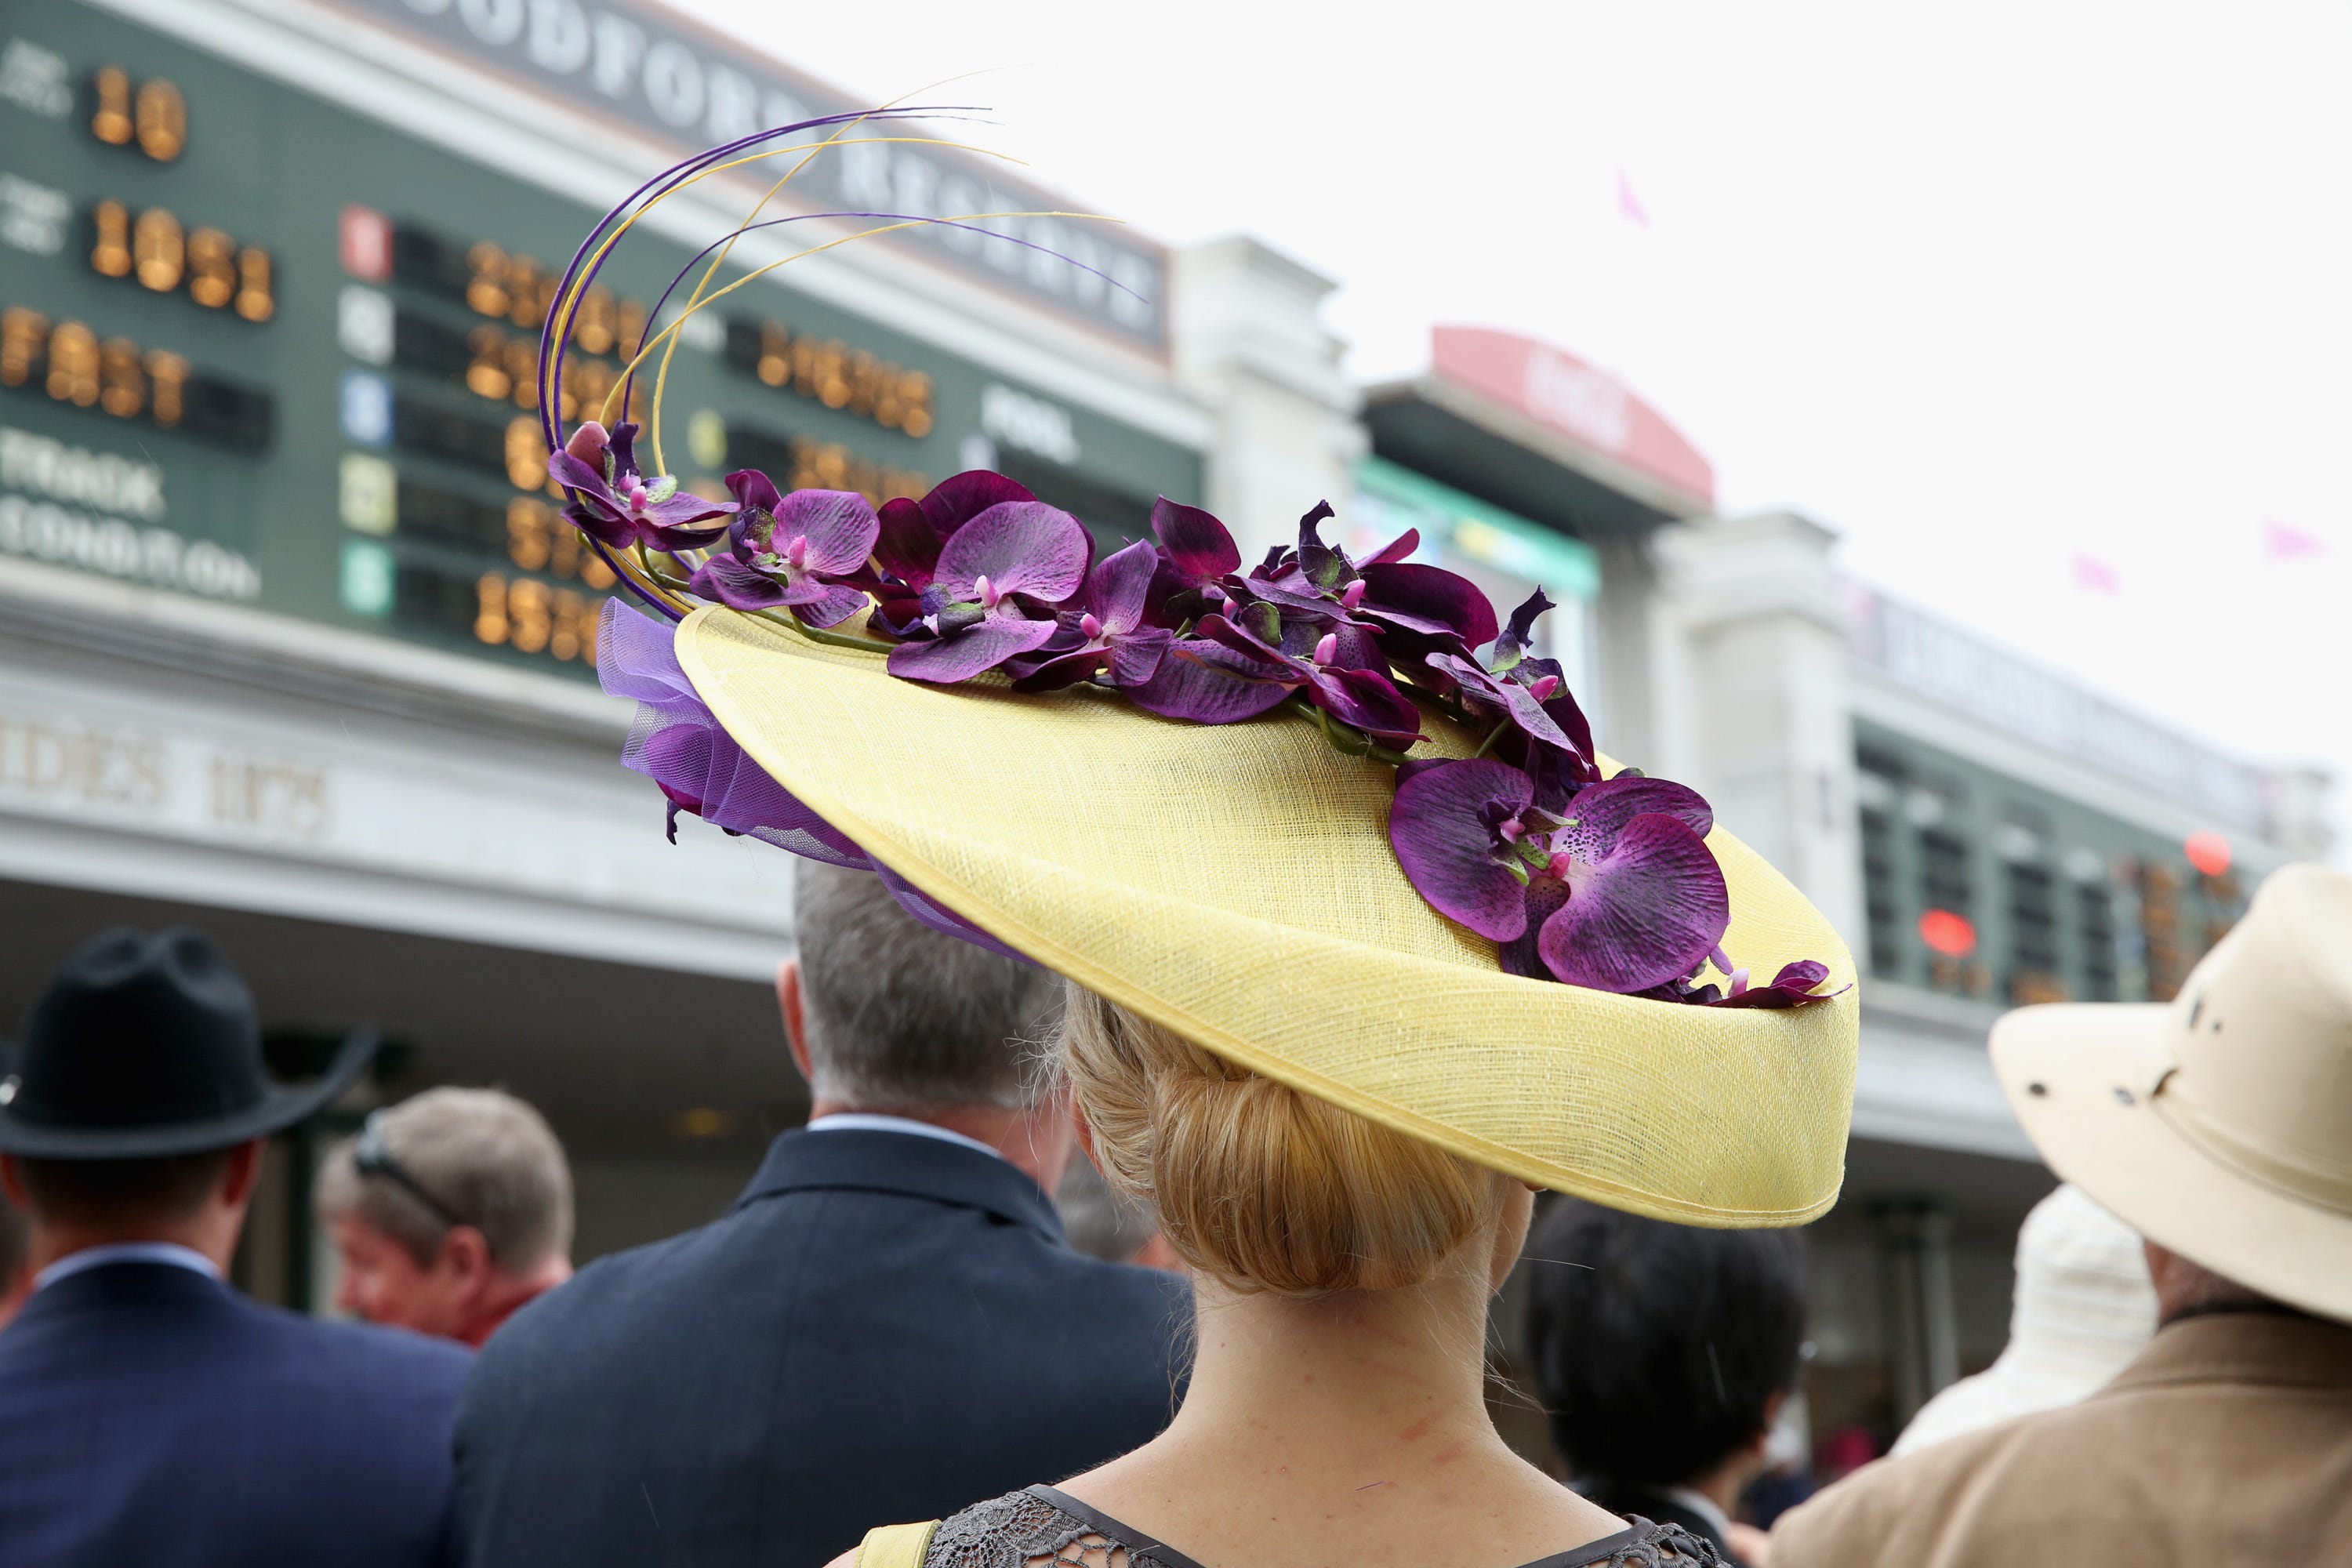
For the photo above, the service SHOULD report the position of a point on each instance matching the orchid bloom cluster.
(1605, 883)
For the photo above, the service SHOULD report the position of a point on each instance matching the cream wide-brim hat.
(1234, 883)
(2218, 1125)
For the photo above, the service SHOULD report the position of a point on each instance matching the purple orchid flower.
(1105, 629)
(913, 533)
(1485, 695)
(1208, 683)
(1622, 896)
(805, 551)
(996, 582)
(1518, 637)
(1357, 694)
(611, 500)
(1425, 609)
(1197, 557)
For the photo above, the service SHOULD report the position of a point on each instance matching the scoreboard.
(257, 347)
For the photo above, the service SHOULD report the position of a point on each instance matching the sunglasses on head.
(373, 1157)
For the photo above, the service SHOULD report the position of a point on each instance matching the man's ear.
(244, 1173)
(466, 1253)
(788, 1002)
(1085, 1134)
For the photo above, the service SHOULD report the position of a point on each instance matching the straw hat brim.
(2079, 1077)
(1234, 883)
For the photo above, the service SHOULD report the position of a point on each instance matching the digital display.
(257, 345)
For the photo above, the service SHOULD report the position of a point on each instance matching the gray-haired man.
(449, 1211)
(889, 1325)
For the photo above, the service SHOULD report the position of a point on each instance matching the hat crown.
(2082, 1279)
(140, 1030)
(2260, 1048)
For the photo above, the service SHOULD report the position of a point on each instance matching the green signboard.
(1463, 531)
(256, 347)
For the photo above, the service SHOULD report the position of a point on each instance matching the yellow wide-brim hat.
(1234, 883)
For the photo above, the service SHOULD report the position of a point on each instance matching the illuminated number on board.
(530, 291)
(73, 364)
(110, 120)
(523, 370)
(212, 268)
(23, 342)
(256, 300)
(109, 256)
(157, 250)
(915, 391)
(594, 324)
(529, 530)
(572, 614)
(490, 608)
(526, 455)
(167, 376)
(163, 118)
(485, 289)
(486, 365)
(529, 614)
(122, 382)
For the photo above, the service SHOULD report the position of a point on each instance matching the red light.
(2208, 852)
(1948, 933)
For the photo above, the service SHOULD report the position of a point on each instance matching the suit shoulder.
(607, 1301)
(1128, 1287)
(366, 1350)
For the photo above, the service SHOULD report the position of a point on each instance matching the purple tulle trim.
(678, 743)
(938, 917)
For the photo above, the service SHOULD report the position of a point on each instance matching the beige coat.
(2228, 1440)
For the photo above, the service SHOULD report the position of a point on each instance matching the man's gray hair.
(899, 1016)
(491, 1159)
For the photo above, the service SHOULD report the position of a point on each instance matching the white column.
(1751, 689)
(1251, 346)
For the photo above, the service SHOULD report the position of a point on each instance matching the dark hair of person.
(120, 1192)
(1656, 1348)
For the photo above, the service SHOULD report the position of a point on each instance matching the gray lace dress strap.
(1043, 1527)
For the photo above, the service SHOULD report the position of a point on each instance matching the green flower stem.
(792, 622)
(1493, 735)
(1345, 739)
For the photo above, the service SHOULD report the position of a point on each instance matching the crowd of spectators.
(1231, 1281)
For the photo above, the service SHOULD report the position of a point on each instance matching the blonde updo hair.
(1255, 1184)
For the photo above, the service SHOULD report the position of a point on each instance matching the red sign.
(1563, 394)
(363, 239)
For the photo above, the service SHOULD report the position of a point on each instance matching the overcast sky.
(2046, 308)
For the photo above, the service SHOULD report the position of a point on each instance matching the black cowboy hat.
(146, 1045)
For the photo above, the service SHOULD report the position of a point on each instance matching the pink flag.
(2096, 576)
(2286, 543)
(1629, 205)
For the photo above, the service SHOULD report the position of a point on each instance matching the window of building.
(1879, 793)
(2094, 923)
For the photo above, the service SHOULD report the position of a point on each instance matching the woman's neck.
(1363, 1378)
(1348, 1428)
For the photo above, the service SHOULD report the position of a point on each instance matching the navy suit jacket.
(886, 1328)
(152, 1415)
